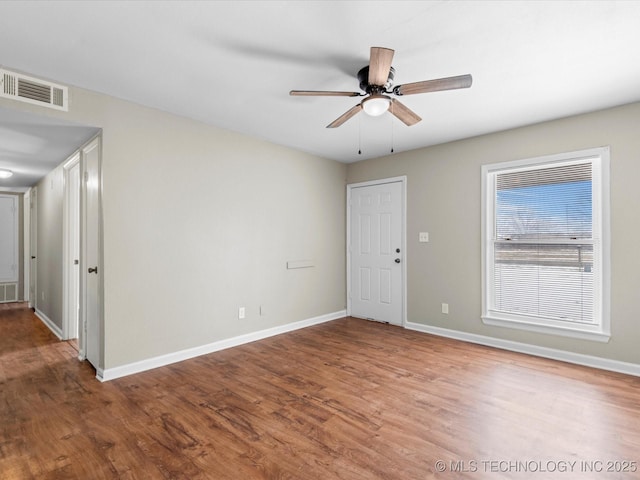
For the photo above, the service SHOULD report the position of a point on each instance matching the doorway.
(82, 256)
(33, 248)
(376, 250)
(71, 254)
(91, 254)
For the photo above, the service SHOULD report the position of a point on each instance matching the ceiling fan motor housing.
(363, 78)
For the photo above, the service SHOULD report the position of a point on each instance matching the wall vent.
(8, 292)
(33, 90)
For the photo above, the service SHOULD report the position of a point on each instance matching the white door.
(73, 255)
(376, 269)
(26, 248)
(33, 261)
(9, 247)
(91, 279)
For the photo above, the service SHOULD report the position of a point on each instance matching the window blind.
(544, 203)
(543, 261)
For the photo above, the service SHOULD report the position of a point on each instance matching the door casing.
(91, 256)
(71, 246)
(403, 222)
(33, 248)
(86, 163)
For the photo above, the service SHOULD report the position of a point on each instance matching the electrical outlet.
(241, 313)
(423, 237)
(445, 308)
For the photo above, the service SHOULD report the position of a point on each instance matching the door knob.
(93, 270)
(397, 260)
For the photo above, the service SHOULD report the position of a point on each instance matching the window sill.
(585, 332)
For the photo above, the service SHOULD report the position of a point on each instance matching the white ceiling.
(31, 146)
(232, 63)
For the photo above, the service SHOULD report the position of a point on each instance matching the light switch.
(423, 237)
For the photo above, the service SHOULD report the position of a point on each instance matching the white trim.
(93, 144)
(381, 181)
(14, 189)
(564, 329)
(571, 157)
(67, 267)
(552, 353)
(604, 218)
(117, 372)
(49, 323)
(33, 247)
(26, 245)
(600, 332)
(403, 182)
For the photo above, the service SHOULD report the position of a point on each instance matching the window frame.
(600, 330)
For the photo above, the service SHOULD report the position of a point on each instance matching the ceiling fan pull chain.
(391, 120)
(359, 135)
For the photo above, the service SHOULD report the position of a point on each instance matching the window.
(545, 244)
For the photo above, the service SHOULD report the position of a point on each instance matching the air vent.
(32, 90)
(8, 292)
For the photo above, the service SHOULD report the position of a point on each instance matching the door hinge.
(86, 176)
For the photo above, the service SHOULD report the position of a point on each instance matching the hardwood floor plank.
(348, 399)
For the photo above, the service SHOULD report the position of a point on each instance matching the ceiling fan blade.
(321, 93)
(345, 116)
(379, 65)
(404, 114)
(449, 83)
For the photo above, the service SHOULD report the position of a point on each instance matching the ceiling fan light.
(4, 173)
(376, 106)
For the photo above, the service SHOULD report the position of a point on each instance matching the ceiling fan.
(376, 80)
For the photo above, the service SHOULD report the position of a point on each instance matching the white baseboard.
(57, 331)
(554, 354)
(117, 372)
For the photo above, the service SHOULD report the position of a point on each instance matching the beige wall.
(443, 198)
(199, 221)
(49, 284)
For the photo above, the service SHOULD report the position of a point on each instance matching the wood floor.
(348, 399)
